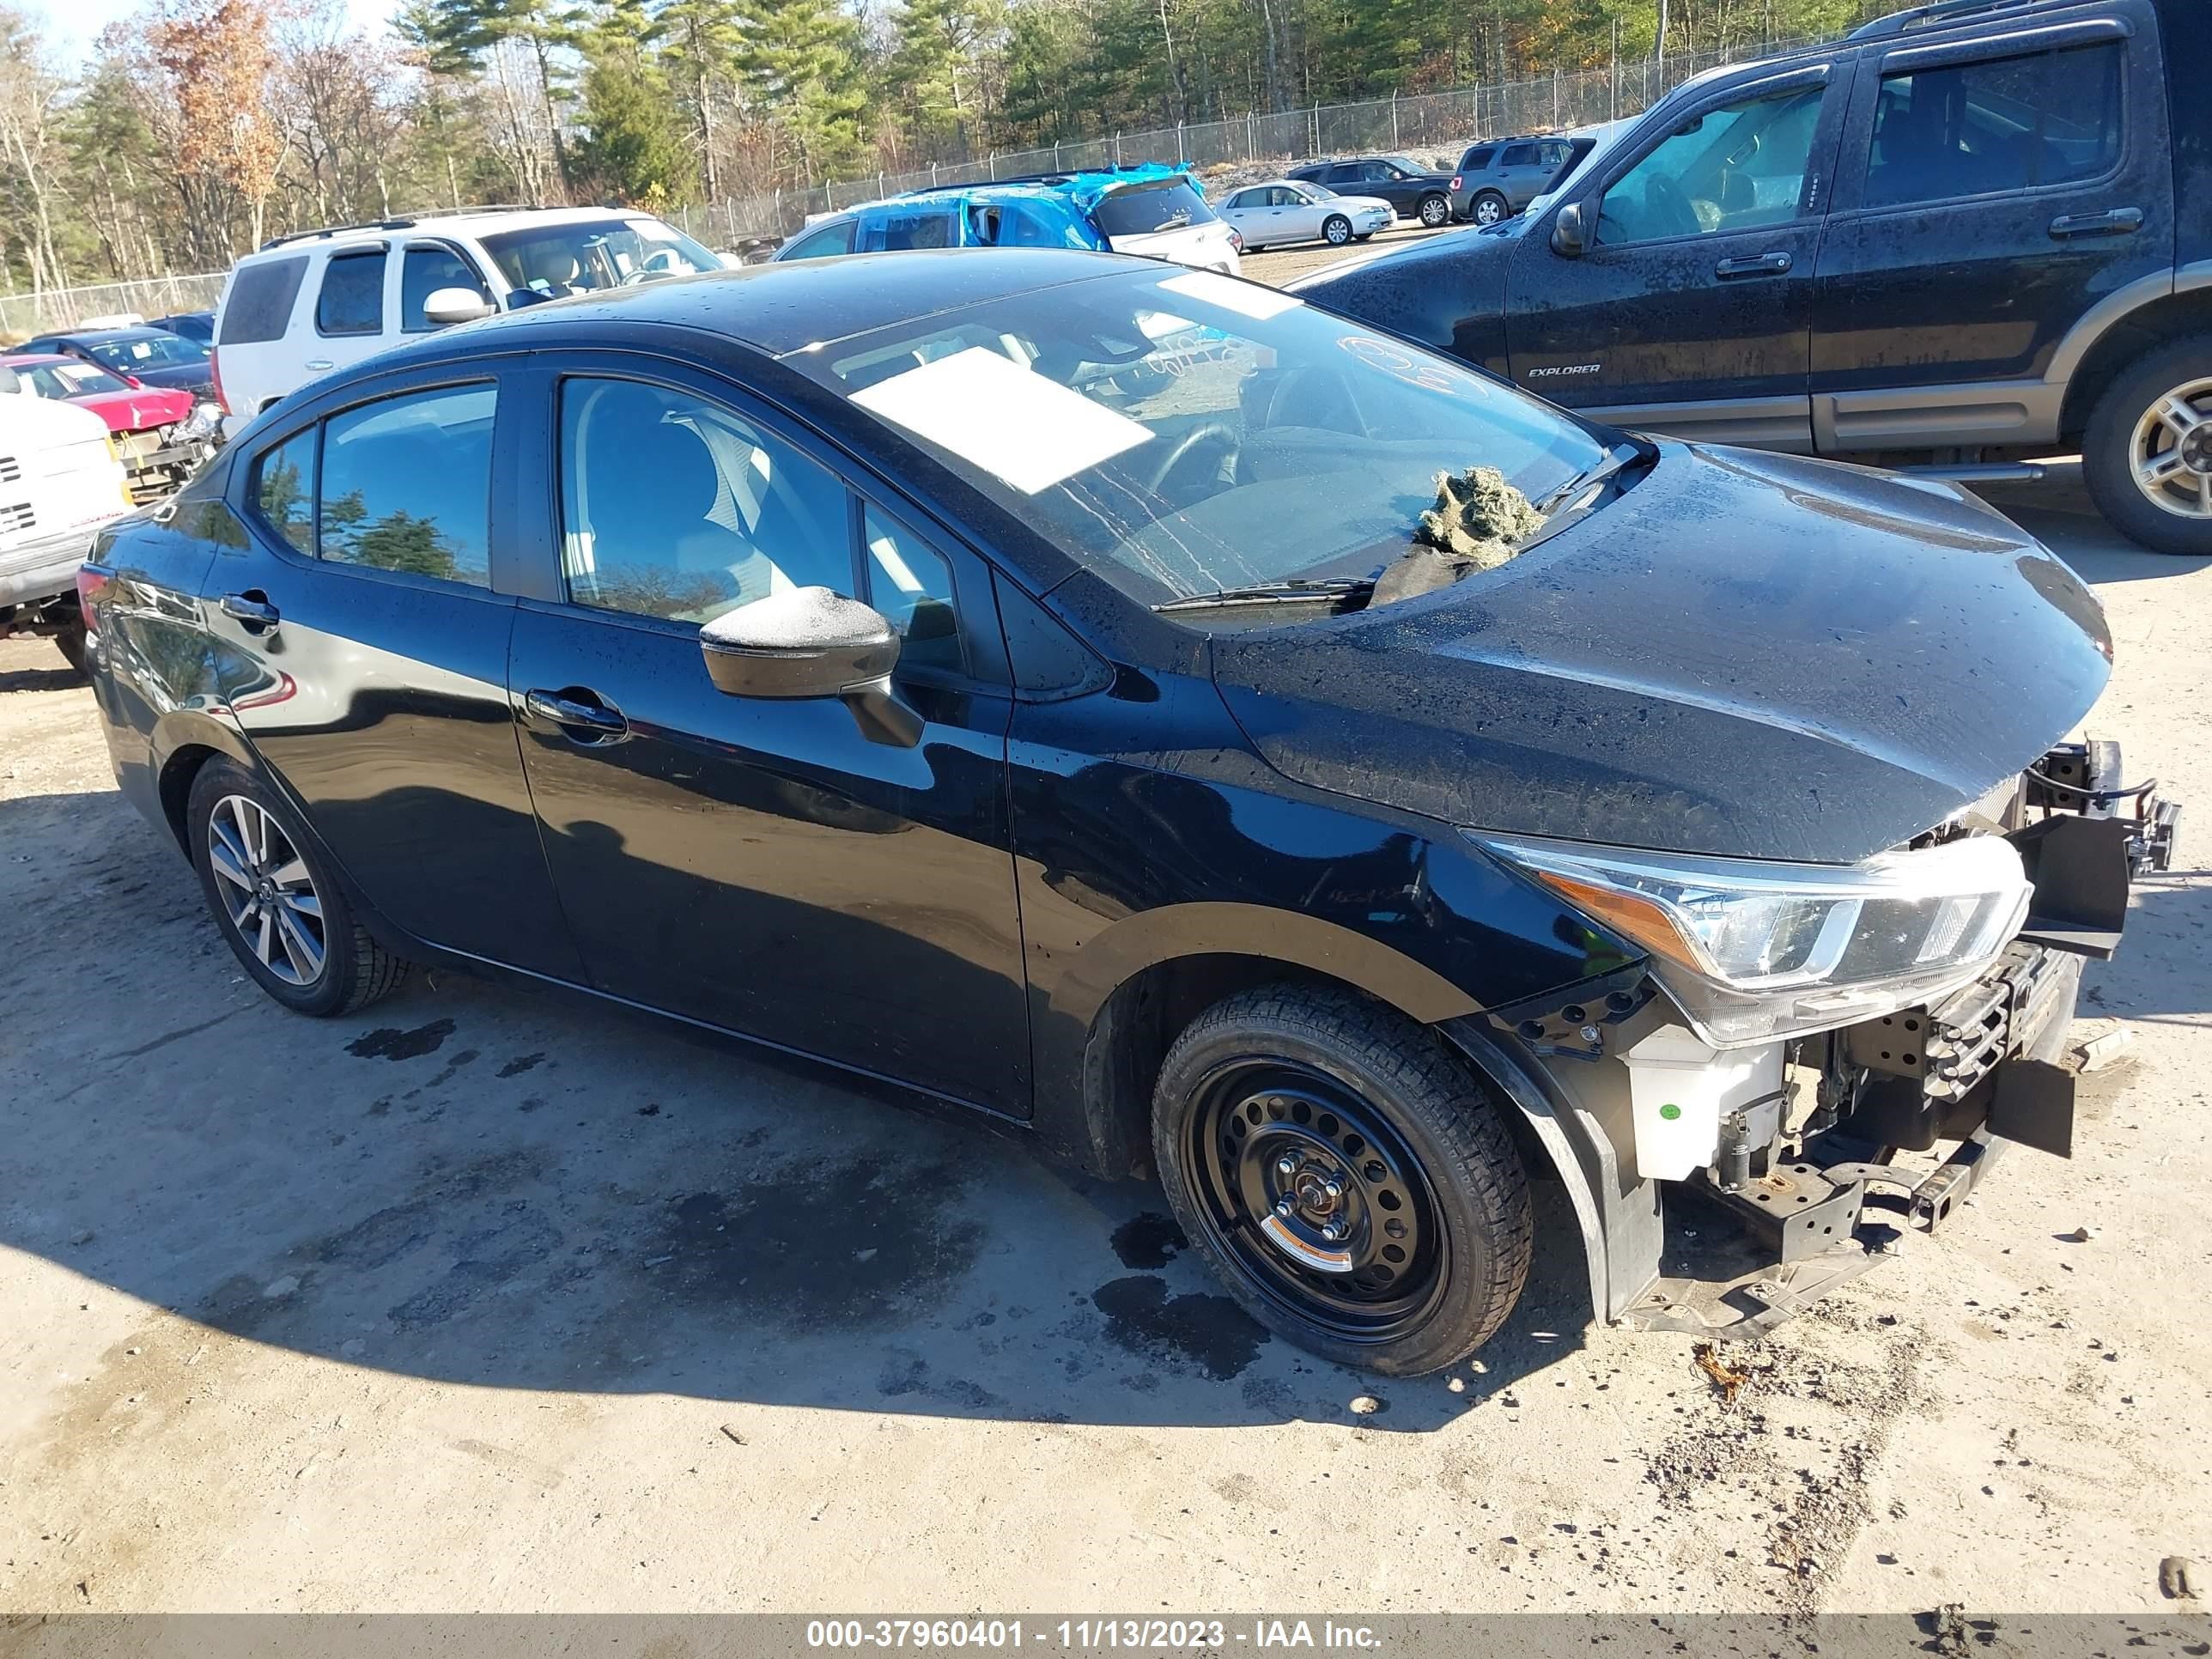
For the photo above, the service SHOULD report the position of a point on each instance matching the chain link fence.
(1436, 123)
(22, 315)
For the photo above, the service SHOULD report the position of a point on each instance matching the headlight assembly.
(1751, 951)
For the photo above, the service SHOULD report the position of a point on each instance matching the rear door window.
(259, 306)
(284, 491)
(351, 299)
(1477, 159)
(406, 485)
(1519, 156)
(1996, 125)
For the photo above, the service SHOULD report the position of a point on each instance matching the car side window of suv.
(351, 299)
(284, 490)
(406, 485)
(423, 270)
(1996, 125)
(1735, 167)
(1519, 156)
(1478, 159)
(673, 507)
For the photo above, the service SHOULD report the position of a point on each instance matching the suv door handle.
(1759, 264)
(596, 722)
(2120, 221)
(317, 363)
(253, 608)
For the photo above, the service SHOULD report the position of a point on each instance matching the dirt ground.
(1279, 265)
(481, 1301)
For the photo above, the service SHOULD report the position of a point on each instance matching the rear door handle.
(251, 607)
(596, 722)
(1759, 264)
(2119, 222)
(318, 363)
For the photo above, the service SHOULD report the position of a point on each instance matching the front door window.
(1736, 167)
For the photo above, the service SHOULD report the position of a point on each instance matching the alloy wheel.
(1434, 211)
(1316, 1199)
(2170, 455)
(1487, 211)
(267, 894)
(1336, 233)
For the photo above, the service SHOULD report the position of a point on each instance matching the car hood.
(1744, 654)
(135, 411)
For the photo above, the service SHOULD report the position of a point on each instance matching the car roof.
(107, 335)
(776, 308)
(25, 359)
(488, 221)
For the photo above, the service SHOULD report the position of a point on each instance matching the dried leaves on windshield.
(1479, 522)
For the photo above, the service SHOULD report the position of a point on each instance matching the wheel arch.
(1130, 991)
(184, 740)
(2144, 328)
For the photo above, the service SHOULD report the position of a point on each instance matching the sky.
(72, 25)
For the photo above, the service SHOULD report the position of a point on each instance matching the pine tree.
(630, 147)
(803, 55)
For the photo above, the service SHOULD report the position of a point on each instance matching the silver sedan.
(1291, 210)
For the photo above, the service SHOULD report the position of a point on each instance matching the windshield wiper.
(1305, 591)
(1613, 460)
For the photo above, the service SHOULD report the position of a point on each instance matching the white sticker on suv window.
(1245, 299)
(1013, 422)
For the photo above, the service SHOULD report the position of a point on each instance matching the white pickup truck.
(59, 483)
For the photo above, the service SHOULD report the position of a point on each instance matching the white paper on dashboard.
(1013, 422)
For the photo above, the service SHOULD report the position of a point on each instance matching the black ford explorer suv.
(1968, 234)
(1021, 680)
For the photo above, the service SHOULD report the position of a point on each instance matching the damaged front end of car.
(1812, 1061)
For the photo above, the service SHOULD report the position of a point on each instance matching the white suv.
(59, 483)
(304, 304)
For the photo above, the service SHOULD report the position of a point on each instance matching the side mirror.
(134, 383)
(448, 305)
(1570, 235)
(810, 642)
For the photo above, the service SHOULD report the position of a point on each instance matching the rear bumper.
(45, 568)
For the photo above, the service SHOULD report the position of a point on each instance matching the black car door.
(1997, 190)
(764, 866)
(1690, 309)
(364, 655)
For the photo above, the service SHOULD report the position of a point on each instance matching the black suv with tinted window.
(1418, 192)
(1967, 235)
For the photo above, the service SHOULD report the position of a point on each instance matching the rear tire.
(1489, 209)
(278, 906)
(1350, 1180)
(2151, 477)
(1435, 211)
(1336, 230)
(70, 640)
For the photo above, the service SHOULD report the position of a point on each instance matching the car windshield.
(1183, 434)
(582, 258)
(1141, 209)
(69, 379)
(1405, 164)
(147, 351)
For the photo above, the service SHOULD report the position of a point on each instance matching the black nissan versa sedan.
(995, 676)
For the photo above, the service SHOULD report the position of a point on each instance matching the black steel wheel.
(1347, 1176)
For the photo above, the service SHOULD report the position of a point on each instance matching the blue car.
(1155, 210)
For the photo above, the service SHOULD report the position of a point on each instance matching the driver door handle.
(1758, 264)
(596, 722)
(2120, 221)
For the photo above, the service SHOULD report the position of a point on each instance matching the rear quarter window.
(259, 305)
(1477, 159)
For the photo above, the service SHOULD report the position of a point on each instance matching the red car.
(157, 431)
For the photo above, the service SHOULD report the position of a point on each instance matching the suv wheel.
(1489, 209)
(2146, 458)
(1435, 210)
(286, 921)
(1336, 230)
(70, 640)
(1348, 1178)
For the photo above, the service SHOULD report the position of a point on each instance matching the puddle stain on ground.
(521, 1064)
(843, 1243)
(390, 1042)
(1194, 1332)
(1150, 1239)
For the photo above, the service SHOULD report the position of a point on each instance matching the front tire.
(1349, 1179)
(282, 915)
(1336, 230)
(1435, 212)
(2147, 457)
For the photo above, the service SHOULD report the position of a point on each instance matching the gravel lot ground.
(1280, 264)
(479, 1301)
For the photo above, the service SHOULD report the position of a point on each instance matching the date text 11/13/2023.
(1143, 1635)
